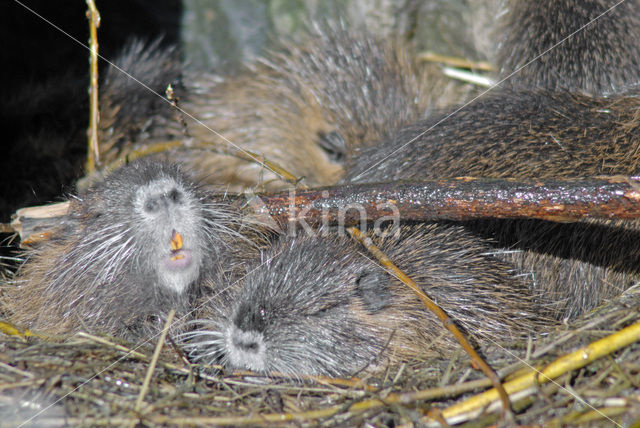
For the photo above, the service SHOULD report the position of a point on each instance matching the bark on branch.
(459, 199)
(453, 199)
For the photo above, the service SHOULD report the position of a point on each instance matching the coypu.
(300, 107)
(318, 305)
(524, 134)
(599, 59)
(532, 134)
(132, 247)
(130, 109)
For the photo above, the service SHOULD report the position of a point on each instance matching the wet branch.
(454, 199)
(458, 199)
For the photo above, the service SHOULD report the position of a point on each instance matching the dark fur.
(601, 59)
(532, 134)
(526, 134)
(321, 306)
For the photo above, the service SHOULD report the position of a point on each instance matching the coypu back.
(133, 107)
(318, 305)
(300, 107)
(303, 106)
(532, 134)
(134, 246)
(601, 53)
(524, 134)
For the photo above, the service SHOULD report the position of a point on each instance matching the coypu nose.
(248, 319)
(246, 350)
(247, 342)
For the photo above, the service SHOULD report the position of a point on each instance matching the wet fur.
(321, 306)
(530, 135)
(104, 270)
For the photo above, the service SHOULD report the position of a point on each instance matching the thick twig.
(458, 199)
(446, 320)
(93, 154)
(453, 199)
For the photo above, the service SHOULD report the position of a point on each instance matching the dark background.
(44, 77)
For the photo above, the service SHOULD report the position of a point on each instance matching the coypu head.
(160, 221)
(320, 306)
(301, 312)
(134, 247)
(148, 219)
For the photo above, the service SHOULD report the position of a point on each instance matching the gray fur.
(321, 306)
(600, 59)
(113, 268)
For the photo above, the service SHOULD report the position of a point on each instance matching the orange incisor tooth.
(176, 241)
(177, 257)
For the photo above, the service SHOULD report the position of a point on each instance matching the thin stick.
(154, 361)
(455, 61)
(446, 320)
(473, 406)
(93, 153)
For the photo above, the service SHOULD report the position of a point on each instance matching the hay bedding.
(88, 380)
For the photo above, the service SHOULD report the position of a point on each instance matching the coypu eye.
(249, 318)
(333, 144)
(152, 205)
(175, 196)
(373, 290)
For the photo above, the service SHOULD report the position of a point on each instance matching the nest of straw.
(88, 380)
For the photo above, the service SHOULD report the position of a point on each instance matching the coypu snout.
(171, 232)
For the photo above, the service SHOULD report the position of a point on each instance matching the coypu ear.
(373, 288)
(333, 144)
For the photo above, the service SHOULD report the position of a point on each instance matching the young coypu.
(132, 247)
(532, 134)
(599, 59)
(524, 134)
(321, 306)
(299, 108)
(133, 107)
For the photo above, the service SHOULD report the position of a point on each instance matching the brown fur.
(532, 134)
(301, 107)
